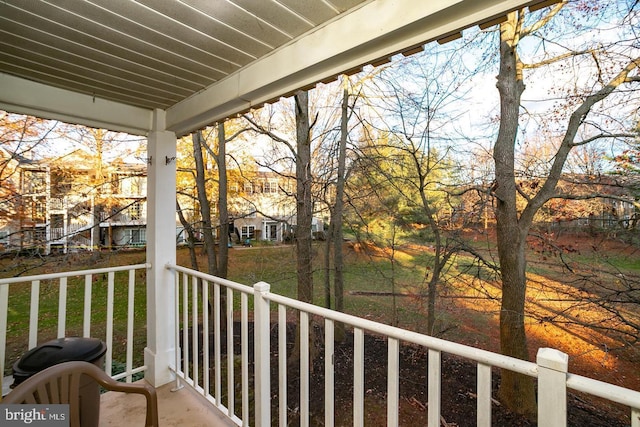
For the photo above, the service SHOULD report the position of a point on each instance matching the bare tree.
(304, 206)
(300, 153)
(205, 206)
(223, 210)
(338, 208)
(513, 224)
(416, 108)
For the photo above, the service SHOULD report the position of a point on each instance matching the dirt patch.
(582, 333)
(458, 391)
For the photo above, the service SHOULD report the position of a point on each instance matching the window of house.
(248, 232)
(34, 182)
(135, 210)
(137, 236)
(40, 209)
(248, 188)
(41, 234)
(271, 187)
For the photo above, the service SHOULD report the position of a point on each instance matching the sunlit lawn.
(374, 288)
(274, 265)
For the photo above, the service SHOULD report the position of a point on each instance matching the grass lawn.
(468, 303)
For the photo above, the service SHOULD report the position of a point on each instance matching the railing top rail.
(607, 391)
(209, 278)
(59, 275)
(478, 355)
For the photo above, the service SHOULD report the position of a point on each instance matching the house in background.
(590, 203)
(68, 203)
(596, 202)
(123, 213)
(263, 207)
(25, 199)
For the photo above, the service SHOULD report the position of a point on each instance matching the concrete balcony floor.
(175, 408)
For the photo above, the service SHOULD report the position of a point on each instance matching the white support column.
(552, 387)
(161, 249)
(262, 338)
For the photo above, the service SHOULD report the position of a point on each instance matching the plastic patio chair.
(61, 384)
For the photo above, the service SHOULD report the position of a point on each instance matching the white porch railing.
(194, 360)
(79, 286)
(224, 377)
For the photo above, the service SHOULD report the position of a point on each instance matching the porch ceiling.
(110, 63)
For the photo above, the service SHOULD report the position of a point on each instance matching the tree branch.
(544, 20)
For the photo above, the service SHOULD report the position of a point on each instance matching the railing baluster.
(185, 325)
(130, 323)
(393, 382)
(244, 314)
(282, 365)
(262, 352)
(304, 369)
(329, 373)
(206, 330)
(88, 292)
(62, 308)
(484, 396)
(217, 336)
(109, 336)
(4, 314)
(230, 360)
(176, 298)
(635, 417)
(34, 310)
(358, 377)
(434, 373)
(194, 330)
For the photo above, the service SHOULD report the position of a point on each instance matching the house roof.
(113, 63)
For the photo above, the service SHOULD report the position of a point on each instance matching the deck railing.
(198, 320)
(200, 300)
(215, 320)
(27, 301)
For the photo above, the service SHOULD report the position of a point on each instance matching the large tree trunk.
(303, 199)
(327, 262)
(339, 206)
(438, 258)
(191, 237)
(223, 238)
(336, 220)
(205, 208)
(97, 204)
(304, 216)
(516, 390)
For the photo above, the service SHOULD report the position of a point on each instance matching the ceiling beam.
(23, 96)
(376, 30)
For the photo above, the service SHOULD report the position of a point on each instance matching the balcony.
(122, 218)
(231, 355)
